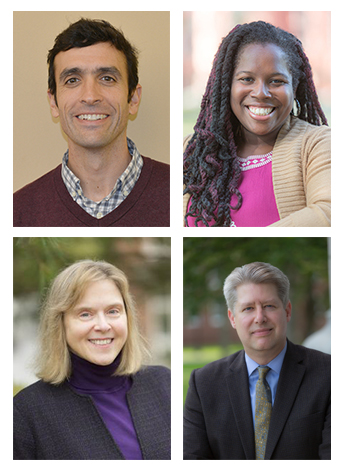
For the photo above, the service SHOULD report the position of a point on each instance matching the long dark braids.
(211, 167)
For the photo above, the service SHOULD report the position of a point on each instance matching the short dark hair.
(87, 32)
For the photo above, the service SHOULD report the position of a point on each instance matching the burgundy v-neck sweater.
(109, 395)
(47, 202)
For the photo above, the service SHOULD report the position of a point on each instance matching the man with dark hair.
(269, 401)
(103, 180)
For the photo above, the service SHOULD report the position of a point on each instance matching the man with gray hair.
(268, 401)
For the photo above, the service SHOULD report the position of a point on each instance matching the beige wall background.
(38, 142)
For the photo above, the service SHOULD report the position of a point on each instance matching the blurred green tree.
(37, 260)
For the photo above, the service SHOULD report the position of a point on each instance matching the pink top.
(259, 208)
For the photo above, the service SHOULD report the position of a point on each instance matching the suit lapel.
(290, 378)
(238, 389)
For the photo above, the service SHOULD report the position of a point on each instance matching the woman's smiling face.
(96, 327)
(262, 92)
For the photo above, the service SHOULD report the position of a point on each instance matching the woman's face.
(96, 327)
(261, 92)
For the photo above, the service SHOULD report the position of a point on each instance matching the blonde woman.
(95, 400)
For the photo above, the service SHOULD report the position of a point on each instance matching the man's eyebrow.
(266, 301)
(109, 70)
(67, 72)
(98, 70)
(242, 305)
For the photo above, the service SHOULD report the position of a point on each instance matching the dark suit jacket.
(56, 423)
(218, 421)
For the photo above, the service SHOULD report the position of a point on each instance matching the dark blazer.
(218, 423)
(56, 423)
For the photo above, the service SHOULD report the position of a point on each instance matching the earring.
(296, 110)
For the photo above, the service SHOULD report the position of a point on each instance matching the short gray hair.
(257, 273)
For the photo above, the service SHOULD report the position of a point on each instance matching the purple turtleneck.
(109, 395)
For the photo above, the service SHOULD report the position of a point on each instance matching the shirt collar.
(274, 364)
(126, 180)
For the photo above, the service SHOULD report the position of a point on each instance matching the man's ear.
(288, 311)
(135, 100)
(53, 105)
(232, 319)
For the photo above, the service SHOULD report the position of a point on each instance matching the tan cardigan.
(301, 175)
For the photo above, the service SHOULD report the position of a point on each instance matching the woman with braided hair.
(260, 153)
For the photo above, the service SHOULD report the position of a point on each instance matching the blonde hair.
(54, 362)
(257, 273)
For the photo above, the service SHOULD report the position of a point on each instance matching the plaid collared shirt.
(122, 188)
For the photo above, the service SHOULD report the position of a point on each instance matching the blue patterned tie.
(263, 410)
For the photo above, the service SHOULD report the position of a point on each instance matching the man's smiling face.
(92, 100)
